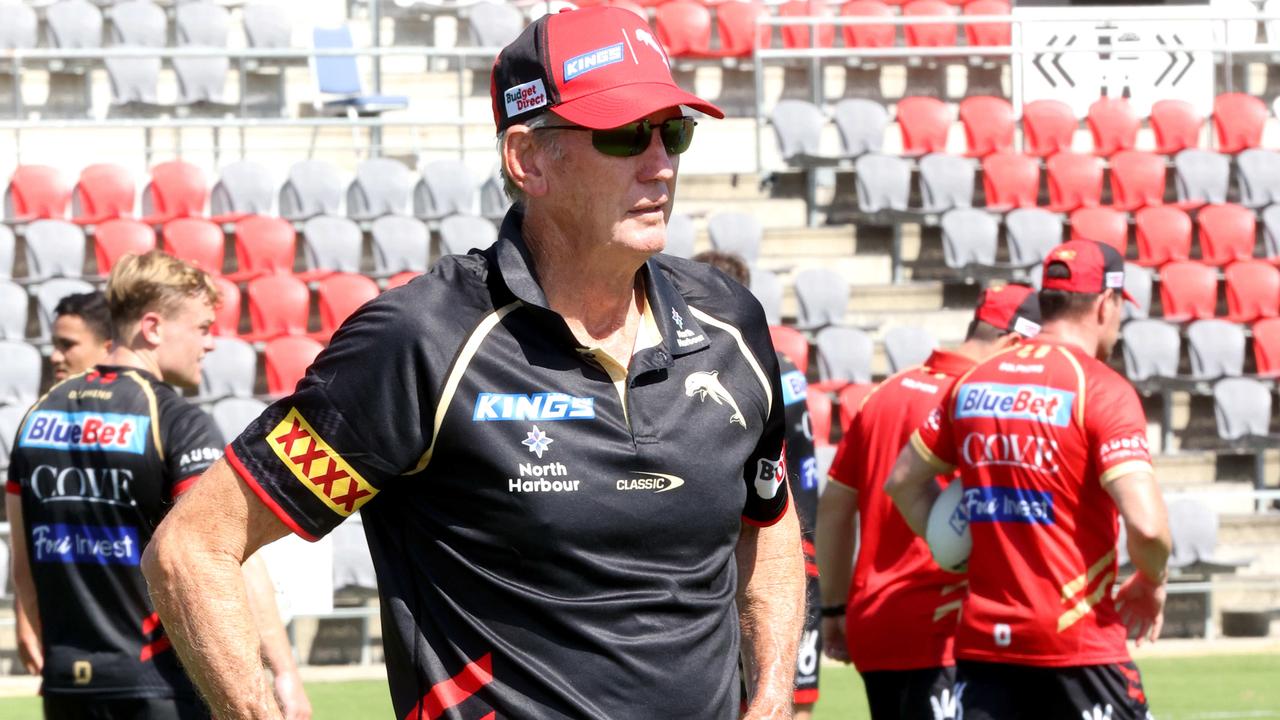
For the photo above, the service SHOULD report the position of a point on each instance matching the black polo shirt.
(553, 535)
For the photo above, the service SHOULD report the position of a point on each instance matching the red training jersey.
(902, 607)
(1037, 432)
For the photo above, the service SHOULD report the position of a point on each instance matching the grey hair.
(548, 140)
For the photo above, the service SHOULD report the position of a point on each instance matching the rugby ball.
(948, 530)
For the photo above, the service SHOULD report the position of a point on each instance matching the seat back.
(314, 187)
(1032, 233)
(932, 34)
(844, 353)
(797, 124)
(177, 189)
(1048, 127)
(494, 202)
(446, 188)
(232, 415)
(196, 241)
(13, 311)
(1216, 348)
(924, 121)
(201, 23)
(55, 248)
(988, 121)
(335, 74)
(767, 288)
(1176, 126)
(1075, 181)
(266, 25)
(138, 22)
(10, 418)
(133, 80)
(1238, 120)
(1138, 282)
(36, 192)
(19, 373)
(1164, 235)
(969, 237)
(1242, 407)
(265, 244)
(818, 403)
(1201, 176)
(739, 34)
(73, 25)
(1228, 232)
(802, 36)
(988, 34)
(333, 243)
(287, 359)
(1271, 230)
(8, 244)
(399, 244)
(867, 36)
(230, 370)
(1137, 179)
(736, 232)
(226, 317)
(1010, 180)
(105, 191)
(1259, 177)
(792, 343)
(861, 125)
(684, 28)
(1253, 290)
(907, 346)
(494, 25)
(1113, 124)
(1151, 349)
(822, 296)
(17, 26)
(339, 295)
(946, 181)
(882, 182)
(1188, 291)
(245, 187)
(459, 234)
(49, 293)
(278, 305)
(1266, 347)
(114, 239)
(1101, 224)
(382, 187)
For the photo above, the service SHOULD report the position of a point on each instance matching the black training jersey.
(553, 534)
(98, 462)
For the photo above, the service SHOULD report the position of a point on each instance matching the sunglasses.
(633, 138)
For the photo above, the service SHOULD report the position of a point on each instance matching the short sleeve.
(354, 423)
(765, 472)
(1116, 428)
(192, 442)
(933, 440)
(843, 467)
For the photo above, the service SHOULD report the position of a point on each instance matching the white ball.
(948, 530)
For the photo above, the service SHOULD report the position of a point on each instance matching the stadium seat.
(987, 34)
(202, 79)
(1048, 127)
(1032, 233)
(338, 78)
(314, 187)
(793, 344)
(844, 356)
(946, 181)
(1137, 282)
(1137, 179)
(1188, 291)
(1164, 235)
(49, 293)
(332, 244)
(1151, 351)
(1258, 177)
(233, 415)
(264, 245)
(278, 305)
(1253, 290)
(18, 24)
(287, 359)
(459, 234)
(1238, 120)
(739, 34)
(114, 239)
(339, 295)
(1075, 181)
(246, 187)
(969, 238)
(36, 192)
(13, 310)
(54, 248)
(10, 418)
(681, 235)
(1242, 409)
(882, 182)
(1010, 180)
(1201, 177)
(928, 34)
(907, 346)
(138, 22)
(802, 36)
(19, 373)
(382, 187)
(105, 191)
(638, 9)
(196, 241)
(988, 121)
(1113, 124)
(684, 28)
(767, 288)
(134, 86)
(861, 124)
(8, 244)
(230, 370)
(1216, 349)
(924, 121)
(1193, 523)
(201, 23)
(1227, 233)
(1271, 232)
(1176, 126)
(71, 25)
(797, 125)
(446, 188)
(226, 317)
(866, 36)
(822, 298)
(202, 82)
(399, 244)
(820, 410)
(1101, 224)
(493, 24)
(736, 232)
(494, 202)
(266, 25)
(1266, 347)
(177, 189)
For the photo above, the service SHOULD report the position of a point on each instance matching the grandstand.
(880, 164)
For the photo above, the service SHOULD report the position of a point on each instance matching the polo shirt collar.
(949, 363)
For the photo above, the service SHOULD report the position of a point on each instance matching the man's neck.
(1069, 333)
(122, 355)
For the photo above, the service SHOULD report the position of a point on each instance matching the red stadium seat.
(114, 239)
(339, 295)
(1137, 179)
(634, 7)
(988, 124)
(820, 417)
(278, 305)
(1188, 291)
(868, 36)
(1010, 180)
(988, 34)
(850, 399)
(1175, 125)
(1113, 124)
(197, 241)
(1048, 127)
(1228, 233)
(264, 245)
(1238, 119)
(931, 34)
(1253, 290)
(226, 317)
(1266, 347)
(792, 343)
(1164, 235)
(37, 192)
(924, 122)
(1101, 224)
(684, 28)
(177, 189)
(105, 191)
(287, 359)
(1075, 181)
(401, 278)
(800, 36)
(737, 24)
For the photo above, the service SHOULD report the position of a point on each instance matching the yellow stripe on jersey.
(1082, 608)
(1118, 471)
(946, 609)
(1070, 589)
(152, 408)
(318, 466)
(927, 455)
(1079, 383)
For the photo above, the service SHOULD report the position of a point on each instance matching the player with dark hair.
(896, 620)
(1050, 444)
(81, 333)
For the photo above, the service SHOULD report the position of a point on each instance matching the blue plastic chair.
(338, 75)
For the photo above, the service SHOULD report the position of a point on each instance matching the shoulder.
(711, 291)
(176, 412)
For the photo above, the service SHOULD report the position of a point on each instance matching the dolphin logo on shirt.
(707, 384)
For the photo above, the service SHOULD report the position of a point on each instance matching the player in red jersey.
(1050, 443)
(902, 608)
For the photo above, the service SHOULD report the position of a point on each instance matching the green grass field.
(1208, 688)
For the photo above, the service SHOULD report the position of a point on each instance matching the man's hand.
(29, 649)
(293, 700)
(1140, 603)
(834, 644)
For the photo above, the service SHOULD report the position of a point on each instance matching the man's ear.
(149, 327)
(523, 161)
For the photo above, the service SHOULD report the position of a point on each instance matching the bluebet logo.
(1008, 505)
(586, 62)
(109, 432)
(85, 544)
(1015, 402)
(794, 387)
(537, 407)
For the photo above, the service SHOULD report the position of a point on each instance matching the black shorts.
(810, 649)
(925, 694)
(75, 707)
(996, 691)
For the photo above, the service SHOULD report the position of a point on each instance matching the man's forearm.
(23, 584)
(276, 650)
(912, 488)
(771, 587)
(836, 536)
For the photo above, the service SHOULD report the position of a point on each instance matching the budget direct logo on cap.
(1015, 402)
(526, 97)
(318, 466)
(593, 60)
(108, 432)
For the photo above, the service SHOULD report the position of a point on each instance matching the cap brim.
(628, 103)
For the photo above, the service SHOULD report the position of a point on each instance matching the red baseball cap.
(1012, 308)
(598, 67)
(1092, 267)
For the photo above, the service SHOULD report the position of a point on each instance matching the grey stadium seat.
(1202, 175)
(1242, 407)
(459, 234)
(767, 287)
(19, 373)
(883, 182)
(10, 418)
(314, 187)
(17, 32)
(1194, 527)
(232, 415)
(494, 202)
(202, 80)
(1271, 229)
(494, 25)
(201, 24)
(382, 187)
(445, 188)
(135, 23)
(1216, 348)
(266, 25)
(844, 353)
(1258, 177)
(138, 22)
(1031, 234)
(133, 81)
(1137, 282)
(680, 235)
(55, 248)
(332, 242)
(906, 346)
(822, 297)
(797, 125)
(230, 370)
(7, 247)
(49, 293)
(71, 24)
(1151, 350)
(736, 232)
(946, 181)
(13, 311)
(861, 125)
(244, 187)
(969, 237)
(399, 244)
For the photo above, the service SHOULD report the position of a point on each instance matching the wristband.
(832, 611)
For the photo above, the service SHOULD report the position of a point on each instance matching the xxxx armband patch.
(317, 466)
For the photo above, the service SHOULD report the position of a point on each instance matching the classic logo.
(108, 432)
(1015, 402)
(85, 544)
(526, 97)
(1028, 452)
(651, 481)
(317, 466)
(770, 475)
(536, 407)
(593, 60)
(707, 385)
(1009, 504)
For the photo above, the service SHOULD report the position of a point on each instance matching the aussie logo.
(1009, 505)
(705, 385)
(526, 97)
(317, 466)
(770, 475)
(1129, 447)
(794, 387)
(108, 432)
(1015, 402)
(85, 544)
(538, 407)
(593, 60)
(650, 481)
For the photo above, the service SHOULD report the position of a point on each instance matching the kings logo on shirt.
(1036, 403)
(318, 466)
